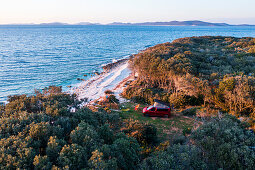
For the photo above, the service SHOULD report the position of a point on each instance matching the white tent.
(161, 104)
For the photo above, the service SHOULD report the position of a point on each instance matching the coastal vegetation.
(42, 132)
(214, 72)
(208, 80)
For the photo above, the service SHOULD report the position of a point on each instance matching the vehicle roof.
(161, 102)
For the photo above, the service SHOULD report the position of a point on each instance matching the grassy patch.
(167, 127)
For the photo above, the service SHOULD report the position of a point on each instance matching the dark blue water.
(32, 57)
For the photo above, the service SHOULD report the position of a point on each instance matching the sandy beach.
(94, 88)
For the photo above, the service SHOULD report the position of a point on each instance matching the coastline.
(114, 78)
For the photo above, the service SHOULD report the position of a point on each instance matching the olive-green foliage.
(196, 55)
(145, 134)
(226, 143)
(176, 157)
(40, 132)
(50, 101)
(125, 150)
(212, 71)
(222, 143)
(86, 139)
(106, 134)
(73, 156)
(86, 136)
(236, 95)
(189, 111)
(54, 146)
(42, 162)
(149, 134)
(16, 152)
(113, 99)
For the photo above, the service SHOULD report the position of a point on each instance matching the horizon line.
(126, 23)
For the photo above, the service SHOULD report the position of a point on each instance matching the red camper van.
(158, 109)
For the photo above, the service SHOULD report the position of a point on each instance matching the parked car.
(157, 111)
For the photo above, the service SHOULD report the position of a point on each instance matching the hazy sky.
(106, 11)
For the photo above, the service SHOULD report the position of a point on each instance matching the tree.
(126, 152)
(85, 135)
(226, 143)
(73, 156)
(54, 147)
(176, 157)
(42, 162)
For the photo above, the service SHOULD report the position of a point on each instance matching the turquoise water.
(32, 57)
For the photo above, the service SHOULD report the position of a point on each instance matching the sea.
(36, 56)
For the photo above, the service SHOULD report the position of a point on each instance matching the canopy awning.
(159, 103)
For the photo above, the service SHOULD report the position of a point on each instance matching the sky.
(107, 11)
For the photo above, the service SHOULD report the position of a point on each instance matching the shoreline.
(113, 78)
(80, 89)
(109, 66)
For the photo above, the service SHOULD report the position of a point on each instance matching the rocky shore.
(113, 65)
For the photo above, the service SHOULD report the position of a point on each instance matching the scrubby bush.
(126, 151)
(180, 139)
(112, 99)
(186, 130)
(40, 132)
(108, 92)
(176, 157)
(145, 134)
(85, 135)
(227, 143)
(189, 111)
(222, 143)
(42, 162)
(73, 156)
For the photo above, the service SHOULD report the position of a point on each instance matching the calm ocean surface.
(32, 57)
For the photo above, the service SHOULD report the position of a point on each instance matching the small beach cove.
(113, 78)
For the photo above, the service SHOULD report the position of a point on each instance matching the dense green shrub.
(149, 134)
(40, 132)
(145, 134)
(189, 111)
(42, 162)
(126, 151)
(222, 143)
(186, 131)
(176, 157)
(73, 156)
(85, 135)
(112, 99)
(226, 143)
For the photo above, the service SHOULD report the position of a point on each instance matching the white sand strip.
(95, 87)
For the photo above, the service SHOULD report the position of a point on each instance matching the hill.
(178, 23)
(214, 72)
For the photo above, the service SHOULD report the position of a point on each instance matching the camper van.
(159, 108)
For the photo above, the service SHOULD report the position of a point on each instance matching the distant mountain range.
(171, 23)
(179, 23)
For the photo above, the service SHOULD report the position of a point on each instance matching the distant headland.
(179, 23)
(170, 23)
